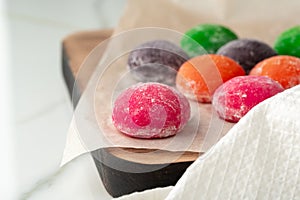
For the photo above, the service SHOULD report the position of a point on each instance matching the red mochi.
(150, 110)
(236, 97)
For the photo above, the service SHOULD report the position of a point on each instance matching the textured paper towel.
(256, 19)
(258, 159)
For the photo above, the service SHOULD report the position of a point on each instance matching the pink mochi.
(150, 110)
(236, 97)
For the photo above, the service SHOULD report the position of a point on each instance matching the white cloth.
(258, 159)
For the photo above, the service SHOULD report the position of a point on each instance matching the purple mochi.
(156, 61)
(247, 52)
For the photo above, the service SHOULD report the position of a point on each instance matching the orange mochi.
(283, 69)
(199, 77)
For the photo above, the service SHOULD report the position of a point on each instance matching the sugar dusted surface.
(150, 110)
(247, 52)
(283, 69)
(199, 77)
(156, 61)
(237, 96)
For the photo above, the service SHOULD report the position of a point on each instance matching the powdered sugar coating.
(200, 76)
(247, 52)
(288, 42)
(150, 110)
(283, 69)
(236, 97)
(156, 61)
(206, 38)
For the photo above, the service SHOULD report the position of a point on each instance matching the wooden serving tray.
(75, 49)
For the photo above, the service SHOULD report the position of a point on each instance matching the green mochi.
(206, 38)
(288, 42)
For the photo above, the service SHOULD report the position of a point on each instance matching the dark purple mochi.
(247, 52)
(156, 61)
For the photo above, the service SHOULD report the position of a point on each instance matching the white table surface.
(39, 105)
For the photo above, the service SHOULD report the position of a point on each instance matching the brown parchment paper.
(258, 19)
(91, 127)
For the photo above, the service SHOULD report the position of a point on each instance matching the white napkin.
(258, 159)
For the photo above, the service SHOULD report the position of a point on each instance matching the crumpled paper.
(258, 159)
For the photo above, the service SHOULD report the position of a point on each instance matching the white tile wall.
(41, 106)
